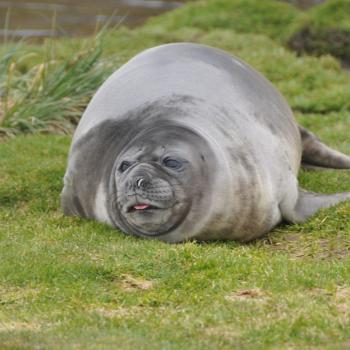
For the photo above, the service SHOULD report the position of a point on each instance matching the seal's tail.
(309, 203)
(317, 154)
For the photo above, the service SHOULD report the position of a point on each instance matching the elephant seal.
(187, 142)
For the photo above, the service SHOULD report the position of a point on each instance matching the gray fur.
(231, 133)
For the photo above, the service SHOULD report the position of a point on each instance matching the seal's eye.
(172, 163)
(125, 165)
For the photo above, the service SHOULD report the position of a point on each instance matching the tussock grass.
(50, 95)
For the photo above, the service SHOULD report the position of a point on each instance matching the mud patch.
(332, 41)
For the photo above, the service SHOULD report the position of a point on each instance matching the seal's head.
(159, 179)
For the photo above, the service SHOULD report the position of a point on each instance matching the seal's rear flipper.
(309, 203)
(317, 154)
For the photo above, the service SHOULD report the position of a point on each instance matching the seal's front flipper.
(317, 154)
(309, 203)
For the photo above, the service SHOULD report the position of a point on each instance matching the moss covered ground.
(68, 283)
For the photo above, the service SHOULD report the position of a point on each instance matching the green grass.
(69, 283)
(269, 17)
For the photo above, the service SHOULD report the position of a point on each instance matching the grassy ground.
(324, 29)
(67, 283)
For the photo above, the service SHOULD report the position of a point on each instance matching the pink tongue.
(141, 206)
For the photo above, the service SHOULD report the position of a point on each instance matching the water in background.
(53, 18)
(46, 18)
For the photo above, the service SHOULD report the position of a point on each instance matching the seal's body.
(188, 142)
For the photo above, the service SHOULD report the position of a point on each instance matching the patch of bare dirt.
(225, 331)
(338, 299)
(15, 295)
(131, 284)
(297, 246)
(19, 326)
(119, 312)
(342, 302)
(248, 294)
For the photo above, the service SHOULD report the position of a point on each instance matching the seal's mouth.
(141, 207)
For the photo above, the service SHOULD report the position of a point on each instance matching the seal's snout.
(138, 182)
(145, 190)
(150, 198)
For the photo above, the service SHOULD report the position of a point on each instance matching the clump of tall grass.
(51, 94)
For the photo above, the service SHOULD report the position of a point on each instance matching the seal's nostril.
(139, 182)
